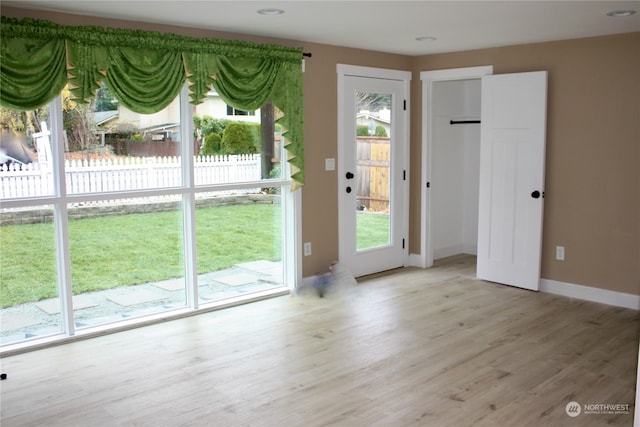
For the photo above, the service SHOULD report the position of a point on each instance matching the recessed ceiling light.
(621, 13)
(426, 39)
(270, 11)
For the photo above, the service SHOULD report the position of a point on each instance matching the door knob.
(349, 175)
(348, 189)
(535, 194)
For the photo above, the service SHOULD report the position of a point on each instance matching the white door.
(512, 151)
(372, 175)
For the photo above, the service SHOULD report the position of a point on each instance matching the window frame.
(60, 200)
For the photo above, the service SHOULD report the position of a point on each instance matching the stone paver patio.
(102, 307)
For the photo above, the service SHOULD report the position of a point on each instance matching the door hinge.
(404, 105)
(404, 175)
(428, 185)
(402, 243)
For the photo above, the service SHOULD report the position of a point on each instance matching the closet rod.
(461, 122)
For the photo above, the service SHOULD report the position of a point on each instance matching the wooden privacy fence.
(124, 174)
(373, 168)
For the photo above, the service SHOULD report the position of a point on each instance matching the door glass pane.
(373, 177)
(25, 154)
(28, 284)
(126, 258)
(111, 148)
(238, 243)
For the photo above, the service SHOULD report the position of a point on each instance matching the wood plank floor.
(408, 348)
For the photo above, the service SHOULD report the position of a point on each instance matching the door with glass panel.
(372, 173)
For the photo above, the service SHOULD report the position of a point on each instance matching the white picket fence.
(125, 174)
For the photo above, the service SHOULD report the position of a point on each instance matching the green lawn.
(112, 251)
(373, 230)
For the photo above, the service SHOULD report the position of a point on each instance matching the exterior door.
(372, 172)
(512, 152)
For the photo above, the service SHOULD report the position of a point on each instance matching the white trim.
(60, 216)
(403, 77)
(588, 293)
(457, 73)
(416, 260)
(428, 78)
(636, 418)
(59, 200)
(292, 252)
(307, 282)
(376, 73)
(188, 202)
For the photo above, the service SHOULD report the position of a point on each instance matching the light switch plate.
(329, 164)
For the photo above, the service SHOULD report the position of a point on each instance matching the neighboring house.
(372, 119)
(164, 125)
(215, 106)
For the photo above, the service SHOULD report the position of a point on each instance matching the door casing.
(425, 259)
(401, 150)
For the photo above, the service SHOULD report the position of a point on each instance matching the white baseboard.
(308, 281)
(603, 296)
(587, 293)
(447, 251)
(416, 260)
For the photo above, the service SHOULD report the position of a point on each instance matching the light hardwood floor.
(408, 348)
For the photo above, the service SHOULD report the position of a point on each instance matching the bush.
(208, 124)
(362, 130)
(211, 145)
(380, 131)
(276, 171)
(240, 138)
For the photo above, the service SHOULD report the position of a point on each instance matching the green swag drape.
(146, 70)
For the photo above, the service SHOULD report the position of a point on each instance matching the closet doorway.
(484, 151)
(451, 161)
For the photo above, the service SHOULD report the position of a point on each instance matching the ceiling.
(386, 26)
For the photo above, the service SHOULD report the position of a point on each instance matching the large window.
(115, 216)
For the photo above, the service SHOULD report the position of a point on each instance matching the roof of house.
(102, 117)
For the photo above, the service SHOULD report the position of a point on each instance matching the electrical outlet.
(560, 253)
(307, 249)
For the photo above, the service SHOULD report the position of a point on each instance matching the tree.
(267, 126)
(23, 123)
(78, 122)
(373, 101)
(105, 101)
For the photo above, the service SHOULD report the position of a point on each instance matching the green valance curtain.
(146, 70)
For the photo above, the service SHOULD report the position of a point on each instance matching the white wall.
(455, 163)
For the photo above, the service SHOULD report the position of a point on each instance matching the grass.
(373, 230)
(112, 251)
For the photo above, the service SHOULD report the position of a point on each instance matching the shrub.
(211, 144)
(276, 171)
(380, 131)
(362, 130)
(240, 138)
(208, 124)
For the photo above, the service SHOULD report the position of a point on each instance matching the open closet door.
(512, 152)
